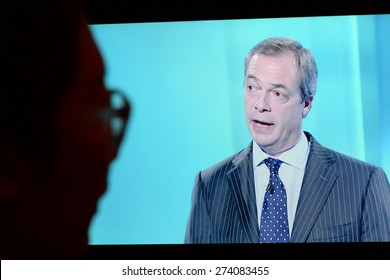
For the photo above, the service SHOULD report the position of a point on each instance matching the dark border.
(292, 251)
(125, 11)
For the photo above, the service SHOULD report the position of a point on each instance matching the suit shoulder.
(224, 166)
(349, 159)
(220, 167)
(330, 156)
(345, 161)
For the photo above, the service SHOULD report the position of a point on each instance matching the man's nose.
(262, 103)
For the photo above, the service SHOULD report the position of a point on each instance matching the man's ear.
(13, 167)
(308, 102)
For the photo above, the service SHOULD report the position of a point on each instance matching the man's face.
(75, 176)
(273, 105)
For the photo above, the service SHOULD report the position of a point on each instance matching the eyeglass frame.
(107, 115)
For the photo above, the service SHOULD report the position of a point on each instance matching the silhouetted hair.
(37, 55)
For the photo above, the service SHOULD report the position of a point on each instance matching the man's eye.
(252, 87)
(278, 94)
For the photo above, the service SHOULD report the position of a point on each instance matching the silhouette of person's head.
(56, 142)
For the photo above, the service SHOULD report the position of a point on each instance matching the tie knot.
(273, 164)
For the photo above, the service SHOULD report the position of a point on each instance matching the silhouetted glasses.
(116, 117)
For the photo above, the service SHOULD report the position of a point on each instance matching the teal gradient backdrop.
(185, 80)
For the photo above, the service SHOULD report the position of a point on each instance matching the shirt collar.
(296, 156)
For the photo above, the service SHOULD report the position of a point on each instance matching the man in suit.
(330, 197)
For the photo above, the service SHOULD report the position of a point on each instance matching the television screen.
(184, 78)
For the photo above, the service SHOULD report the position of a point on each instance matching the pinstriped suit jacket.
(342, 200)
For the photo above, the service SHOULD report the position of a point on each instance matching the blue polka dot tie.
(274, 221)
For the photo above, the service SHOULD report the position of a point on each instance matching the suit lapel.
(317, 184)
(241, 183)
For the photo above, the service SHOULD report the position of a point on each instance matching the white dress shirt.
(291, 173)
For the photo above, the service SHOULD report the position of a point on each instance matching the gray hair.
(306, 65)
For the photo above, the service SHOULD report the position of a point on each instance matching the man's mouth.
(261, 123)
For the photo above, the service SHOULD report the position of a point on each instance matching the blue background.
(185, 79)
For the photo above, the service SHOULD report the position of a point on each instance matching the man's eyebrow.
(279, 86)
(273, 85)
(251, 76)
